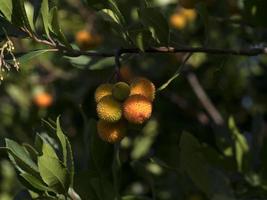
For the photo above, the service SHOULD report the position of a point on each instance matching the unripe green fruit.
(108, 109)
(121, 91)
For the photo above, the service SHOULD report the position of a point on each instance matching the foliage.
(206, 138)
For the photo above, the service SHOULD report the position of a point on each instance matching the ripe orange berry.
(87, 40)
(102, 91)
(177, 21)
(137, 109)
(143, 87)
(43, 99)
(111, 132)
(108, 109)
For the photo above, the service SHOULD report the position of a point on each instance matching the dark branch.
(163, 50)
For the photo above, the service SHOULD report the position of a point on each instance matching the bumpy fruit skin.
(121, 91)
(108, 109)
(43, 99)
(86, 40)
(143, 87)
(111, 132)
(137, 109)
(102, 91)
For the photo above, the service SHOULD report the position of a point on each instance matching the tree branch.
(163, 50)
(204, 99)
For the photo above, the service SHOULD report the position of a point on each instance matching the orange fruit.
(137, 109)
(87, 40)
(43, 99)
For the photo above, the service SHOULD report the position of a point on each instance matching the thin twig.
(204, 99)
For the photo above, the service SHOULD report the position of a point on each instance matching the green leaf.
(45, 16)
(114, 7)
(38, 143)
(32, 54)
(10, 29)
(20, 158)
(63, 142)
(19, 15)
(54, 173)
(101, 64)
(175, 75)
(209, 180)
(241, 145)
(48, 150)
(34, 182)
(156, 22)
(56, 29)
(141, 36)
(70, 162)
(6, 8)
(164, 85)
(32, 152)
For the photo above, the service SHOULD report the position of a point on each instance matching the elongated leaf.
(175, 75)
(241, 144)
(152, 18)
(10, 29)
(21, 158)
(141, 36)
(32, 152)
(48, 150)
(209, 180)
(45, 16)
(34, 182)
(70, 162)
(63, 142)
(54, 174)
(19, 15)
(32, 54)
(37, 8)
(6, 8)
(114, 7)
(56, 29)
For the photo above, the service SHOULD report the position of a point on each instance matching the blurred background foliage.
(188, 149)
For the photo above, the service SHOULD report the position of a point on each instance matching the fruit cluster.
(119, 104)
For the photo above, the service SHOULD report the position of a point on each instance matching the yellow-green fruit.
(143, 87)
(121, 91)
(137, 109)
(102, 91)
(111, 132)
(109, 109)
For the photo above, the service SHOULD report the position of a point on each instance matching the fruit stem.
(116, 170)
